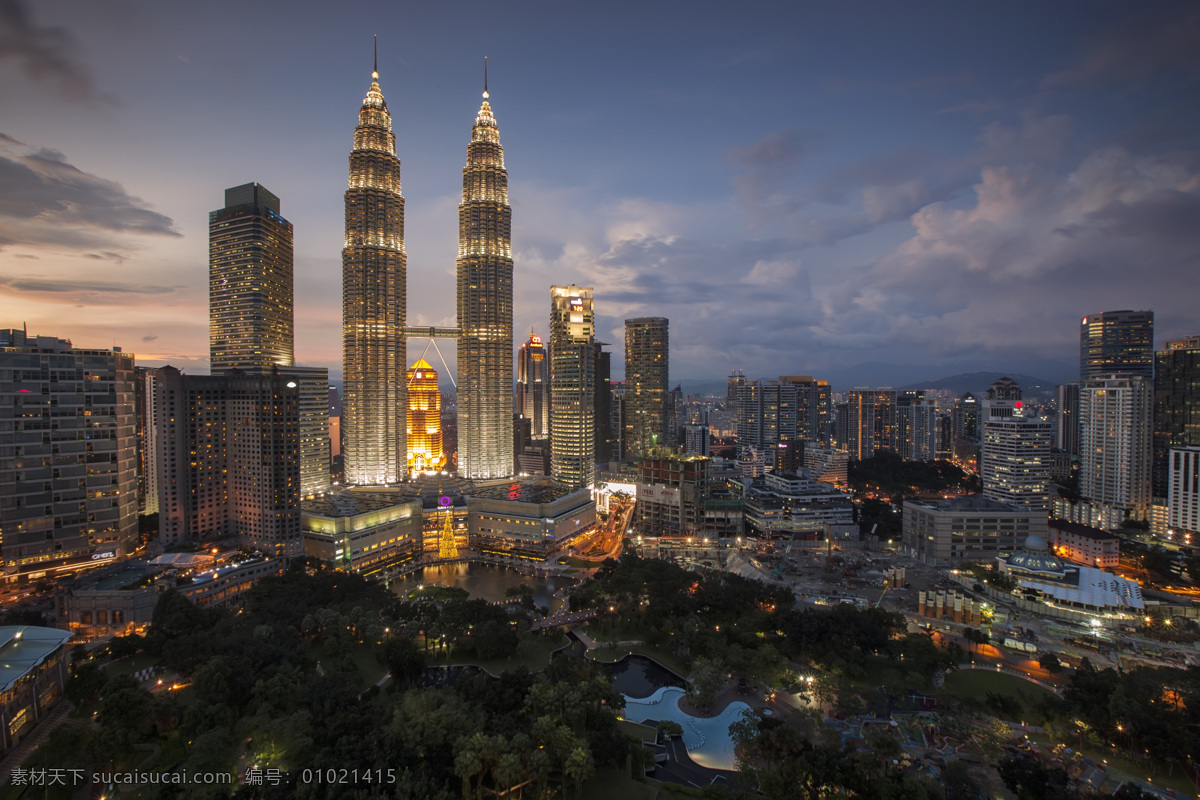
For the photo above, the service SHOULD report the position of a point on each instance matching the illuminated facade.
(1116, 343)
(1114, 447)
(572, 386)
(250, 321)
(373, 303)
(68, 455)
(533, 386)
(485, 307)
(647, 366)
(424, 419)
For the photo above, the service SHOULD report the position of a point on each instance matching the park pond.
(638, 676)
(486, 581)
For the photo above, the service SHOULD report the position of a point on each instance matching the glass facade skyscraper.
(1116, 343)
(572, 386)
(647, 368)
(250, 317)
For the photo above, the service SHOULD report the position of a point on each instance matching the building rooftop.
(24, 647)
(1086, 531)
(351, 504)
(518, 492)
(971, 502)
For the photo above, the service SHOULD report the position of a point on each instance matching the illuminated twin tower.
(374, 322)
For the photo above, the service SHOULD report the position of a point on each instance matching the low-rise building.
(787, 503)
(33, 673)
(1083, 544)
(1041, 574)
(530, 519)
(362, 531)
(121, 600)
(953, 531)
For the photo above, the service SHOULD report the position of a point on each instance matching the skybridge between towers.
(433, 333)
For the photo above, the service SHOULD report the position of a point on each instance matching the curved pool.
(706, 739)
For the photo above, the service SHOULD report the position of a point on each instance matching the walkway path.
(18, 755)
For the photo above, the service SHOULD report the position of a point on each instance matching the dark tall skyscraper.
(250, 321)
(485, 306)
(813, 407)
(766, 413)
(229, 459)
(1067, 399)
(647, 367)
(375, 402)
(604, 404)
(533, 386)
(871, 421)
(1116, 343)
(1176, 405)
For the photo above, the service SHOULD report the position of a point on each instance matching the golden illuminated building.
(485, 307)
(373, 302)
(424, 419)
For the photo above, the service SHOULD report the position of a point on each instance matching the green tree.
(404, 660)
(1050, 663)
(87, 681)
(708, 675)
(578, 767)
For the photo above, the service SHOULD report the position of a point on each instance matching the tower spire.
(375, 61)
(485, 91)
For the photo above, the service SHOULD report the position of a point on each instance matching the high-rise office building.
(1015, 459)
(1114, 447)
(572, 386)
(1066, 397)
(250, 321)
(1183, 494)
(1176, 404)
(604, 428)
(485, 307)
(424, 419)
(647, 367)
(966, 418)
(695, 440)
(814, 412)
(229, 459)
(676, 416)
(766, 413)
(533, 386)
(146, 427)
(916, 426)
(619, 446)
(870, 421)
(733, 384)
(1116, 343)
(68, 454)
(250, 313)
(374, 408)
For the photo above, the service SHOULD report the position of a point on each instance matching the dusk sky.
(799, 187)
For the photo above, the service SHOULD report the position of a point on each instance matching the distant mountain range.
(900, 376)
(978, 382)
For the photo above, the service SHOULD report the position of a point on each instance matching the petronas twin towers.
(374, 321)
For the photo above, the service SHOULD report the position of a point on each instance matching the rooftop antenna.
(375, 61)
(485, 91)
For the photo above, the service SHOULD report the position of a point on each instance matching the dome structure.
(1036, 544)
(1035, 557)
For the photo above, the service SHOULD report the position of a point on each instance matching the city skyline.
(794, 188)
